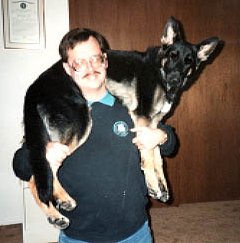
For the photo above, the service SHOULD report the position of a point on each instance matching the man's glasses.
(95, 62)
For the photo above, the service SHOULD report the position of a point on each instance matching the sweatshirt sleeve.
(170, 146)
(21, 165)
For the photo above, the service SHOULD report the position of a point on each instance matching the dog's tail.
(36, 138)
(43, 175)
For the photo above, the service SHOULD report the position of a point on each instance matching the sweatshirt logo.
(120, 128)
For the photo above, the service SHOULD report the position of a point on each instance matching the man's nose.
(89, 65)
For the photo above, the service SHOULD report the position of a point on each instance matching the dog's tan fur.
(62, 198)
(151, 159)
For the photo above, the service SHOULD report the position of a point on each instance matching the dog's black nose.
(175, 81)
(171, 96)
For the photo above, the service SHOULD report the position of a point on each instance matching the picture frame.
(23, 24)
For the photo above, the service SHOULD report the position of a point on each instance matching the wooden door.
(207, 120)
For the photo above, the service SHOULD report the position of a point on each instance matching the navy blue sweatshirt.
(104, 177)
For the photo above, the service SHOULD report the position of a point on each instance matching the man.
(104, 174)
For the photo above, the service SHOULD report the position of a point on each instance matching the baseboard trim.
(9, 222)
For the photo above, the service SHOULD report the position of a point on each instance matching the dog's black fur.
(166, 66)
(54, 110)
(148, 83)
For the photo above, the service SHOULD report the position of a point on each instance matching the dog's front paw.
(68, 205)
(159, 194)
(60, 223)
(164, 197)
(153, 193)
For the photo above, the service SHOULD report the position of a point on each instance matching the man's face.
(87, 66)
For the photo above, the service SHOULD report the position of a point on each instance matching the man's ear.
(105, 60)
(67, 68)
(206, 48)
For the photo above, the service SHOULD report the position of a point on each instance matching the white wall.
(18, 69)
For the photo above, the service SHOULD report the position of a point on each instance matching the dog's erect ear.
(206, 48)
(171, 32)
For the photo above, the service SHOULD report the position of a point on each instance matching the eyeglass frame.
(85, 62)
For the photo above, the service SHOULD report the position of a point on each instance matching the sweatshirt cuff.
(169, 147)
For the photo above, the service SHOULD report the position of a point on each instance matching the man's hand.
(56, 153)
(148, 138)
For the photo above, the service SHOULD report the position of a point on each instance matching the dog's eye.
(188, 60)
(173, 55)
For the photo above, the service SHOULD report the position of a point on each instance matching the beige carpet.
(212, 222)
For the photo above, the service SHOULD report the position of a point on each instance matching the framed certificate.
(24, 24)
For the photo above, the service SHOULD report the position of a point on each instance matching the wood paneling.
(207, 119)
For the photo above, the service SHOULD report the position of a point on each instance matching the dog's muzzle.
(173, 88)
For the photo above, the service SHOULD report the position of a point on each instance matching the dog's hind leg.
(63, 199)
(53, 215)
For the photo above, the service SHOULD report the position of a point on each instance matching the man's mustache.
(91, 73)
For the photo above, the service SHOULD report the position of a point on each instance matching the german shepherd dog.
(148, 83)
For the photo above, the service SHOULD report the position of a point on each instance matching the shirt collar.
(108, 100)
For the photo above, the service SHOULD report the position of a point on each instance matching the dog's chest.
(138, 99)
